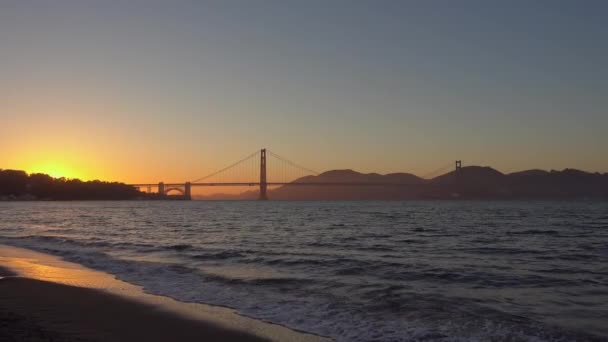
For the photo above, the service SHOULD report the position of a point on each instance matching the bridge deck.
(290, 184)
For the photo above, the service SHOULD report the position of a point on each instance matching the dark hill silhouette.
(568, 183)
(338, 192)
(528, 173)
(485, 182)
(472, 176)
(472, 182)
(350, 176)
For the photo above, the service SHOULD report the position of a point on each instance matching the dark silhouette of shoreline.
(18, 185)
(472, 182)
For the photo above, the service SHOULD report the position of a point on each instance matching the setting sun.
(56, 170)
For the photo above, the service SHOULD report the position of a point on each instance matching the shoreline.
(44, 298)
(413, 199)
(77, 313)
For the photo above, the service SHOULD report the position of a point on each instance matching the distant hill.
(485, 182)
(568, 183)
(472, 182)
(338, 192)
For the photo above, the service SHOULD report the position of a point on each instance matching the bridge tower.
(458, 170)
(188, 191)
(263, 184)
(458, 173)
(161, 188)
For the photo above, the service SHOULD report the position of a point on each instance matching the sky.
(147, 91)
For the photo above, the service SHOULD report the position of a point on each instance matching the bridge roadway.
(280, 183)
(185, 188)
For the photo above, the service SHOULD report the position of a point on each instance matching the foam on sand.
(98, 287)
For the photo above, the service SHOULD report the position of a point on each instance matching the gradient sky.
(143, 91)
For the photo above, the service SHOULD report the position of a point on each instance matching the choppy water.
(355, 271)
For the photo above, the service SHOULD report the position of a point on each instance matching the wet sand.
(33, 310)
(44, 298)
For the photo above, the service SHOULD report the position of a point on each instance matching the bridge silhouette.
(254, 171)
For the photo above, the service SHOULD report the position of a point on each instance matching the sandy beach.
(38, 302)
(49, 311)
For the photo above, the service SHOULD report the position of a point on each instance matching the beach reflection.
(30, 264)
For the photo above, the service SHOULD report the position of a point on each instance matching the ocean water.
(354, 271)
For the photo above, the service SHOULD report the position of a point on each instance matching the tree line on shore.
(17, 184)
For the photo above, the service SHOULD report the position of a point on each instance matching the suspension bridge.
(265, 169)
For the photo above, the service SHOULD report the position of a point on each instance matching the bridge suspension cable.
(247, 170)
(256, 170)
(283, 170)
(292, 163)
(278, 169)
(245, 164)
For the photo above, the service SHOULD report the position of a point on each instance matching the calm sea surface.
(355, 271)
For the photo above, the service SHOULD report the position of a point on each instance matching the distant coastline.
(17, 185)
(472, 182)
